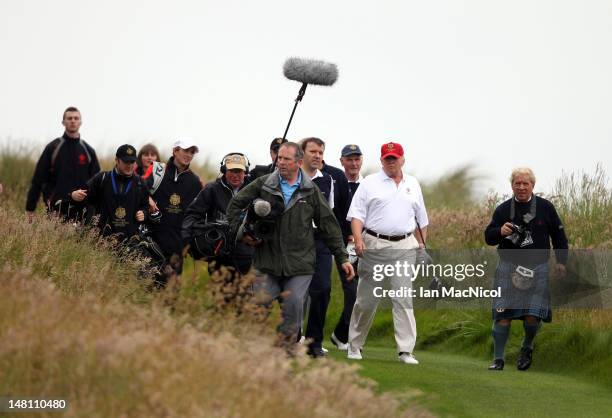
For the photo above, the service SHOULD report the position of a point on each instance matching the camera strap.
(529, 216)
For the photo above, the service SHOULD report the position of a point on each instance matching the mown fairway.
(459, 386)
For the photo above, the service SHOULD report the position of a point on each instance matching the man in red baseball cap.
(385, 215)
(391, 149)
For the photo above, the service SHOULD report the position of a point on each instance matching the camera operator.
(285, 262)
(522, 228)
(210, 206)
(262, 170)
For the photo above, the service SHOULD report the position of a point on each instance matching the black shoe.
(316, 352)
(524, 360)
(498, 364)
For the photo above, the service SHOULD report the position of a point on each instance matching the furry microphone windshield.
(307, 71)
(311, 71)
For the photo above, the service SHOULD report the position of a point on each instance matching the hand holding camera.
(506, 229)
(519, 234)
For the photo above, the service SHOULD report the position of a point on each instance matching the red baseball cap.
(391, 149)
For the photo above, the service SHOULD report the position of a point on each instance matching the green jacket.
(292, 250)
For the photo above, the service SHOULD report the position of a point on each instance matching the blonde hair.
(522, 171)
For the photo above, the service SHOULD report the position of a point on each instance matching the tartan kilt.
(515, 303)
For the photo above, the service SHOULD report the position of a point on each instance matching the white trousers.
(380, 252)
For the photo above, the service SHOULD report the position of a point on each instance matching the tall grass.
(116, 359)
(76, 261)
(76, 322)
(584, 202)
(453, 190)
(16, 169)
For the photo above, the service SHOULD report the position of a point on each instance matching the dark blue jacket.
(342, 198)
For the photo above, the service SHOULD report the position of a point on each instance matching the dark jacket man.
(174, 194)
(119, 196)
(544, 228)
(211, 205)
(523, 228)
(342, 197)
(75, 162)
(65, 165)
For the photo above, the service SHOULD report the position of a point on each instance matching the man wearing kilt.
(523, 228)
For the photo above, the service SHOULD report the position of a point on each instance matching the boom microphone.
(310, 71)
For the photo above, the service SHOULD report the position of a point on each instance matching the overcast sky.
(497, 84)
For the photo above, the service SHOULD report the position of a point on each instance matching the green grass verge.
(461, 386)
(575, 343)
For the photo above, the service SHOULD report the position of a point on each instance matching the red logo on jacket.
(82, 159)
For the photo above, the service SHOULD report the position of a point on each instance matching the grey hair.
(299, 154)
(522, 171)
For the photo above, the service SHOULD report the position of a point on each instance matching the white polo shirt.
(387, 208)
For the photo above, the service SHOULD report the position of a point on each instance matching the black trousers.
(69, 211)
(319, 292)
(350, 295)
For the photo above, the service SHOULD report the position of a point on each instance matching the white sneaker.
(354, 354)
(302, 340)
(325, 350)
(339, 344)
(407, 358)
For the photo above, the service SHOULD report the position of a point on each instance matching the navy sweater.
(545, 228)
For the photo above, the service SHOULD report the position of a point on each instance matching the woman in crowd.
(146, 156)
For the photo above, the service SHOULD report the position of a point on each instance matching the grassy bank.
(77, 323)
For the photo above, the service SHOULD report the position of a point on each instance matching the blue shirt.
(287, 188)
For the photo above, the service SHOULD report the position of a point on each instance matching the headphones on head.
(223, 168)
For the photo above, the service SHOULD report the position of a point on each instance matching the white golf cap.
(185, 142)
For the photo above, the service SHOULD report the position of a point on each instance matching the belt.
(388, 237)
